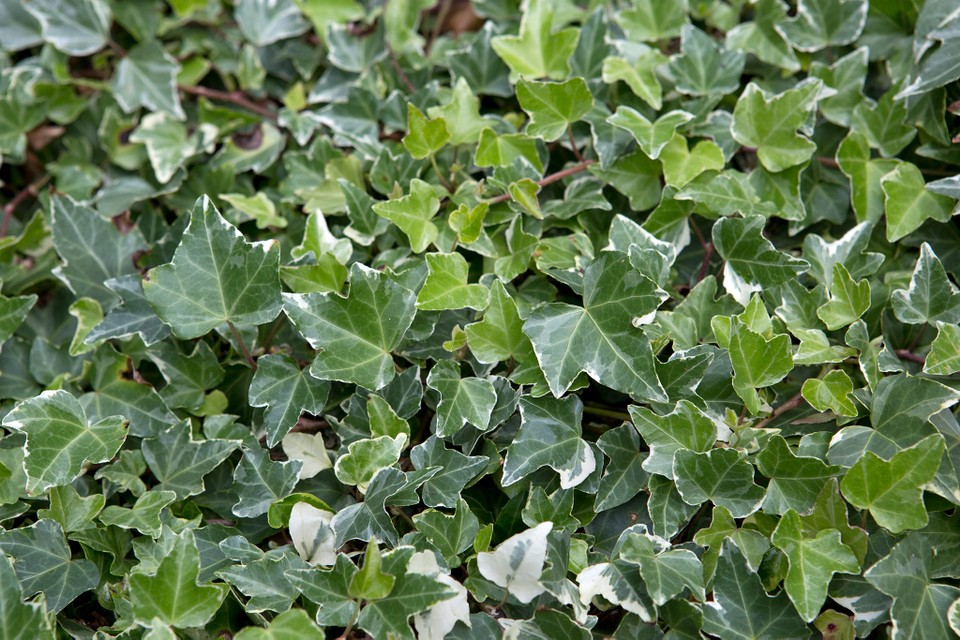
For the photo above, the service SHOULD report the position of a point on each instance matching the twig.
(400, 72)
(606, 413)
(243, 345)
(443, 181)
(913, 343)
(792, 403)
(238, 98)
(31, 190)
(573, 145)
(438, 25)
(550, 179)
(906, 354)
(268, 341)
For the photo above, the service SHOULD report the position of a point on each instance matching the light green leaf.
(848, 300)
(446, 285)
(703, 67)
(468, 222)
(830, 393)
(215, 277)
(60, 438)
(318, 240)
(88, 313)
(931, 297)
(370, 582)
(294, 624)
(640, 76)
(144, 515)
(609, 346)
(286, 391)
(73, 512)
(461, 115)
(651, 136)
(721, 476)
(258, 207)
(424, 136)
(553, 106)
(892, 490)
(813, 561)
(866, 192)
(364, 458)
(769, 123)
(685, 428)
(172, 593)
(681, 164)
(538, 51)
(757, 362)
(147, 77)
(908, 204)
(761, 38)
(354, 345)
(413, 213)
(169, 146)
(75, 27)
(845, 77)
(20, 620)
(499, 335)
(884, 124)
(550, 435)
(495, 150)
(819, 24)
(944, 356)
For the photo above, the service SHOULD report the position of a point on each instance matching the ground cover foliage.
(340, 318)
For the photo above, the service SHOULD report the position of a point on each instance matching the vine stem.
(573, 145)
(792, 403)
(606, 413)
(550, 179)
(906, 354)
(234, 97)
(31, 190)
(243, 345)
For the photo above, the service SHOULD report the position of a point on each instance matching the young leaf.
(413, 213)
(908, 204)
(553, 106)
(446, 285)
(538, 51)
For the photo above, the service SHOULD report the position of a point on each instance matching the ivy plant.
(502, 318)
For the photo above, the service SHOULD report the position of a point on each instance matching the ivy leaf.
(650, 21)
(769, 124)
(944, 356)
(666, 572)
(722, 476)
(742, 609)
(931, 297)
(892, 490)
(795, 480)
(556, 422)
(144, 515)
(517, 563)
(832, 392)
(286, 391)
(651, 136)
(328, 589)
(865, 174)
(371, 583)
(538, 51)
(44, 564)
(848, 300)
(757, 362)
(824, 23)
(462, 400)
(883, 124)
(424, 136)
(455, 471)
(618, 582)
(216, 277)
(499, 335)
(610, 348)
(21, 620)
(640, 76)
(147, 77)
(172, 592)
(495, 150)
(624, 475)
(461, 115)
(364, 458)
(353, 346)
(368, 518)
(289, 625)
(446, 285)
(813, 561)
(133, 316)
(60, 438)
(264, 22)
(450, 534)
(180, 463)
(685, 428)
(703, 67)
(553, 106)
(681, 165)
(261, 481)
(909, 204)
(761, 37)
(413, 213)
(75, 28)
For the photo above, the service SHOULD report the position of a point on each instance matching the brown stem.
(238, 98)
(573, 145)
(906, 354)
(404, 78)
(438, 25)
(31, 190)
(243, 345)
(792, 403)
(550, 179)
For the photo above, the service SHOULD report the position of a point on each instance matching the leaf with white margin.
(60, 438)
(286, 391)
(364, 458)
(550, 436)
(440, 619)
(621, 584)
(313, 536)
(944, 356)
(666, 572)
(75, 27)
(931, 297)
(823, 23)
(516, 564)
(308, 449)
(462, 400)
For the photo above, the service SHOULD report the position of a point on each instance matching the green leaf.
(761, 37)
(769, 123)
(553, 106)
(848, 300)
(550, 436)
(264, 22)
(830, 393)
(651, 136)
(73, 512)
(216, 277)
(819, 24)
(649, 20)
(703, 67)
(742, 609)
(60, 438)
(681, 165)
(144, 515)
(353, 346)
(499, 335)
(640, 76)
(931, 297)
(133, 316)
(180, 463)
(609, 346)
(286, 391)
(413, 213)
(944, 356)
(866, 193)
(168, 143)
(908, 204)
(795, 480)
(450, 534)
(258, 207)
(289, 625)
(757, 362)
(172, 592)
(516, 564)
(260, 481)
(883, 124)
(892, 490)
(722, 476)
(370, 583)
(685, 428)
(813, 561)
(364, 458)
(455, 471)
(424, 137)
(20, 620)
(462, 400)
(501, 150)
(147, 77)
(446, 285)
(43, 563)
(461, 115)
(76, 28)
(666, 572)
(328, 589)
(538, 51)
(624, 475)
